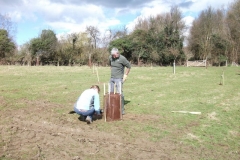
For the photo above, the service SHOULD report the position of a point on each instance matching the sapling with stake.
(222, 78)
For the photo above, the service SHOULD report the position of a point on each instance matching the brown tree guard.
(112, 107)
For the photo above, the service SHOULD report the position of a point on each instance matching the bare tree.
(142, 24)
(206, 30)
(94, 34)
(233, 30)
(178, 23)
(26, 54)
(112, 34)
(7, 24)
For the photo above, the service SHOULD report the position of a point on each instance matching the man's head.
(96, 87)
(114, 53)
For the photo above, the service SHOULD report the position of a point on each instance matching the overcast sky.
(66, 16)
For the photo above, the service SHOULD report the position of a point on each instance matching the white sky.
(64, 16)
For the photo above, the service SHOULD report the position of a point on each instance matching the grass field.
(31, 97)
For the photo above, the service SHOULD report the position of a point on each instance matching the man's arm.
(97, 103)
(127, 71)
(109, 61)
(126, 74)
(128, 66)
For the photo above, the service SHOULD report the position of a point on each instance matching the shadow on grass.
(83, 118)
(80, 118)
(71, 112)
(94, 117)
(126, 102)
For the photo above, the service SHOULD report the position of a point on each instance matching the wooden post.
(120, 94)
(104, 103)
(104, 89)
(97, 73)
(223, 78)
(206, 63)
(174, 66)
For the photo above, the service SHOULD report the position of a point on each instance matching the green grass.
(148, 92)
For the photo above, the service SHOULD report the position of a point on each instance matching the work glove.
(124, 77)
(98, 114)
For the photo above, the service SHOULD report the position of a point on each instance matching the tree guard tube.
(112, 107)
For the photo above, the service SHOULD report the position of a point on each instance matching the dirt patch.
(213, 116)
(42, 130)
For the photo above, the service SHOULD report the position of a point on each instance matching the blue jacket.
(89, 98)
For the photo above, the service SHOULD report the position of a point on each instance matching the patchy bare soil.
(38, 131)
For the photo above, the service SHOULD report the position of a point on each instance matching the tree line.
(214, 36)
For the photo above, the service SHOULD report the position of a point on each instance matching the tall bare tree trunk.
(37, 62)
(89, 61)
(139, 60)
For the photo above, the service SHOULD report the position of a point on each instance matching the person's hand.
(124, 77)
(99, 116)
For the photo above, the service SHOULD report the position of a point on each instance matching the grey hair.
(114, 50)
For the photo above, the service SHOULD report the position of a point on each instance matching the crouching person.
(88, 103)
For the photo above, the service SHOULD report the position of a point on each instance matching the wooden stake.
(120, 87)
(104, 89)
(174, 67)
(97, 74)
(186, 112)
(223, 78)
(105, 108)
(120, 94)
(109, 102)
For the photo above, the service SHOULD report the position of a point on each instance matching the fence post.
(174, 66)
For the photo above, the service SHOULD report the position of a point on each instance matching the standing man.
(118, 64)
(88, 103)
